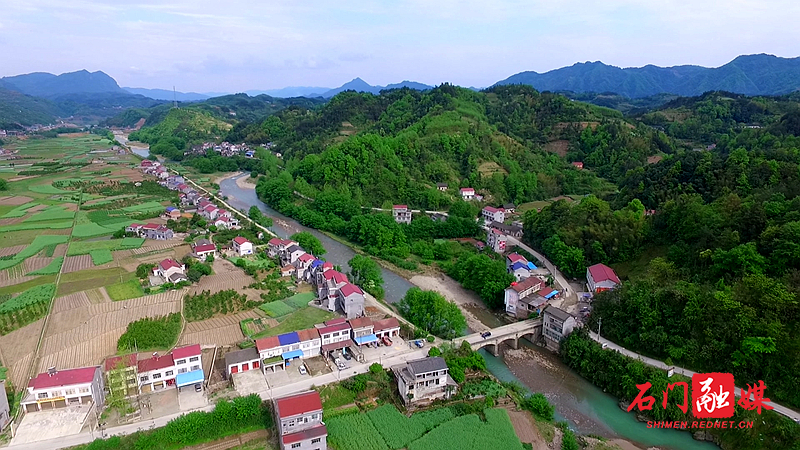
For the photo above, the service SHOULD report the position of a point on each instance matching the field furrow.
(17, 348)
(12, 250)
(77, 263)
(5, 281)
(71, 301)
(36, 262)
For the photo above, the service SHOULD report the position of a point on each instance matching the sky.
(236, 45)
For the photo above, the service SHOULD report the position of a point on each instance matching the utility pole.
(599, 322)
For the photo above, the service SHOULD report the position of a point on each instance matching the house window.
(156, 376)
(144, 378)
(335, 334)
(180, 361)
(194, 358)
(195, 367)
(84, 390)
(69, 392)
(182, 370)
(313, 417)
(42, 395)
(296, 445)
(169, 372)
(315, 441)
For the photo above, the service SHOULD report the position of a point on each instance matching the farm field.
(298, 320)
(219, 331)
(124, 291)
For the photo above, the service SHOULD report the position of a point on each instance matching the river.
(583, 405)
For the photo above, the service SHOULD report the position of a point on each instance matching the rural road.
(565, 288)
(780, 409)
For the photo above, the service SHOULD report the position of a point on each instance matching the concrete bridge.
(529, 329)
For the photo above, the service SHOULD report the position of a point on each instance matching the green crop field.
(34, 295)
(471, 433)
(354, 432)
(47, 189)
(50, 269)
(51, 213)
(91, 229)
(276, 309)
(124, 291)
(298, 320)
(39, 243)
(59, 225)
(398, 430)
(20, 210)
(101, 256)
(83, 248)
(299, 301)
(145, 207)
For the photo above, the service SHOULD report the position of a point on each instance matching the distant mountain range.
(359, 85)
(47, 85)
(165, 94)
(750, 75)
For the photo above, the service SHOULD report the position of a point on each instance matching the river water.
(583, 405)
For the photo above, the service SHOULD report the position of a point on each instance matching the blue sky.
(234, 45)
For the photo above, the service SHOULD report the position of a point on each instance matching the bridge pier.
(515, 343)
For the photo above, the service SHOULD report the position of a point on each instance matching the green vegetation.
(124, 291)
(484, 274)
(365, 272)
(298, 301)
(53, 268)
(229, 417)
(309, 242)
(461, 360)
(47, 189)
(258, 217)
(19, 211)
(354, 432)
(39, 243)
(101, 256)
(87, 247)
(277, 309)
(469, 432)
(27, 307)
(430, 311)
(206, 305)
(298, 320)
(36, 226)
(398, 431)
(334, 396)
(619, 375)
(159, 333)
(51, 213)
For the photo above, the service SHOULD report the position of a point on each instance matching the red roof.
(327, 265)
(63, 378)
(335, 275)
(545, 291)
(361, 322)
(385, 324)
(223, 211)
(275, 241)
(155, 363)
(147, 163)
(467, 190)
(210, 208)
(267, 343)
(350, 289)
(299, 404)
(205, 248)
(336, 321)
(514, 257)
(124, 361)
(134, 225)
(400, 207)
(496, 231)
(308, 334)
(305, 257)
(311, 433)
(526, 284)
(185, 352)
(334, 328)
(150, 226)
(601, 272)
(240, 240)
(491, 209)
(169, 263)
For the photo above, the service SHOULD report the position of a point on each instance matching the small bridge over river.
(530, 329)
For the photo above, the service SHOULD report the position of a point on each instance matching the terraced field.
(17, 349)
(217, 331)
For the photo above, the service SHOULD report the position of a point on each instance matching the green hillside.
(20, 109)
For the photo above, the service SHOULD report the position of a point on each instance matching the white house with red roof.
(335, 335)
(291, 253)
(386, 327)
(242, 246)
(351, 300)
(225, 223)
(156, 372)
(496, 240)
(276, 246)
(600, 278)
(170, 270)
(209, 212)
(61, 388)
(467, 193)
(303, 266)
(491, 214)
(299, 420)
(401, 214)
(204, 248)
(519, 298)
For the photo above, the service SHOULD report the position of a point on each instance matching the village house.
(170, 270)
(424, 380)
(269, 352)
(62, 388)
(556, 325)
(202, 248)
(209, 212)
(242, 246)
(328, 284)
(518, 266)
(303, 266)
(351, 300)
(520, 298)
(159, 233)
(491, 214)
(188, 359)
(335, 335)
(310, 342)
(122, 375)
(156, 373)
(299, 420)
(386, 327)
(242, 361)
(467, 193)
(600, 278)
(496, 240)
(275, 246)
(291, 253)
(441, 186)
(287, 270)
(509, 208)
(135, 228)
(509, 230)
(401, 214)
(172, 212)
(578, 165)
(362, 331)
(225, 223)
(5, 409)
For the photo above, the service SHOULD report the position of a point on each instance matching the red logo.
(713, 395)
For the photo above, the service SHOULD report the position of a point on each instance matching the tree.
(365, 272)
(309, 242)
(209, 258)
(431, 311)
(258, 217)
(144, 270)
(3, 184)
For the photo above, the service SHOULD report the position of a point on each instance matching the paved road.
(499, 332)
(780, 409)
(565, 288)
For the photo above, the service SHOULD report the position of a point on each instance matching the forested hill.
(504, 142)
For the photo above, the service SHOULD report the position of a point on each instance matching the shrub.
(205, 305)
(146, 334)
(430, 338)
(539, 406)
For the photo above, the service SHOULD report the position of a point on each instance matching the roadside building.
(122, 375)
(328, 284)
(310, 342)
(242, 361)
(424, 380)
(269, 351)
(299, 420)
(156, 373)
(188, 365)
(351, 300)
(335, 335)
(401, 214)
(496, 240)
(201, 250)
(556, 325)
(386, 327)
(242, 246)
(520, 298)
(363, 331)
(159, 233)
(600, 278)
(513, 230)
(491, 214)
(62, 388)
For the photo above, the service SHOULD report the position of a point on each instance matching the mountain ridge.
(759, 74)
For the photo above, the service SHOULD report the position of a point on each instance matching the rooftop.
(205, 248)
(187, 351)
(311, 433)
(426, 365)
(248, 354)
(557, 313)
(350, 289)
(335, 275)
(155, 363)
(268, 343)
(360, 322)
(526, 284)
(601, 272)
(63, 378)
(169, 263)
(120, 362)
(385, 324)
(308, 334)
(334, 328)
(240, 240)
(294, 405)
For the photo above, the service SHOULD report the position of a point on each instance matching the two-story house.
(160, 233)
(61, 388)
(299, 421)
(242, 246)
(351, 300)
(386, 327)
(520, 299)
(467, 193)
(362, 331)
(188, 365)
(290, 347)
(209, 212)
(202, 248)
(135, 228)
(424, 380)
(156, 372)
(275, 246)
(302, 266)
(556, 325)
(335, 335)
(310, 342)
(600, 278)
(441, 187)
(269, 352)
(496, 240)
(401, 214)
(491, 214)
(122, 375)
(291, 253)
(170, 270)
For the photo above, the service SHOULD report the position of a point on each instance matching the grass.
(53, 225)
(145, 207)
(14, 288)
(51, 213)
(48, 189)
(300, 300)
(637, 267)
(298, 320)
(18, 237)
(92, 229)
(53, 268)
(532, 205)
(101, 256)
(19, 211)
(546, 429)
(124, 291)
(91, 279)
(276, 309)
(334, 396)
(39, 243)
(84, 248)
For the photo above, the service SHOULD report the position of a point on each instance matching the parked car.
(486, 334)
(340, 364)
(347, 356)
(198, 387)
(604, 345)
(303, 370)
(386, 341)
(419, 343)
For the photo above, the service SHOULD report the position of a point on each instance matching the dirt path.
(526, 430)
(452, 291)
